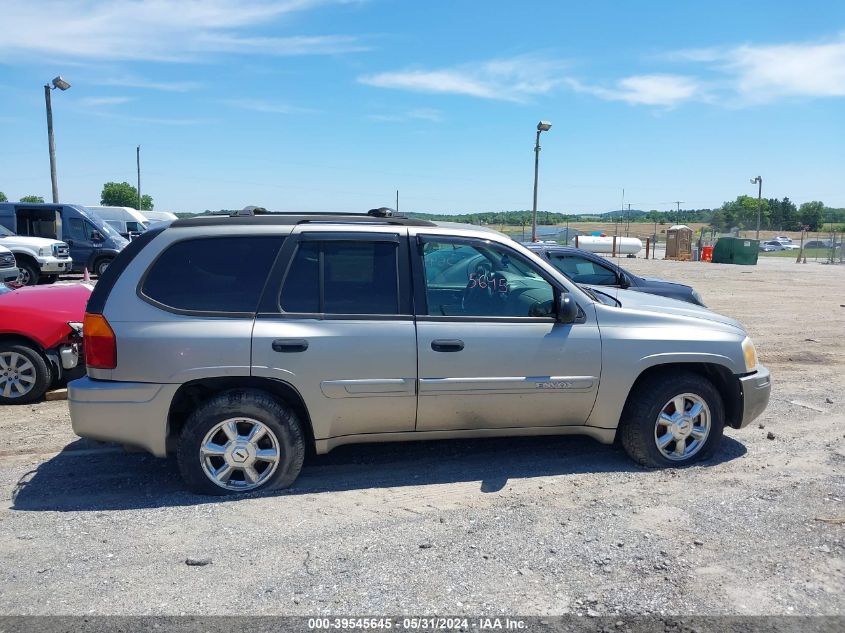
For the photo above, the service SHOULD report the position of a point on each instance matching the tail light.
(100, 343)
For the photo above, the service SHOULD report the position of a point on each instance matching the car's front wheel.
(29, 273)
(24, 374)
(101, 266)
(672, 420)
(241, 441)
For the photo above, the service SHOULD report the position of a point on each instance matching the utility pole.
(759, 182)
(678, 217)
(397, 201)
(138, 164)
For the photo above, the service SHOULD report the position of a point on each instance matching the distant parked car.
(820, 244)
(9, 271)
(771, 246)
(40, 339)
(583, 267)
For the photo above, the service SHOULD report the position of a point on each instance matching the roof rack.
(289, 219)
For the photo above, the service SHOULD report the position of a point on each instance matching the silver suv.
(239, 342)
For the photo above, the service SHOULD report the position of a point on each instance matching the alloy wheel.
(17, 375)
(239, 454)
(682, 427)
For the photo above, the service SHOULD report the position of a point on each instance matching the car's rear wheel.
(241, 441)
(24, 374)
(672, 420)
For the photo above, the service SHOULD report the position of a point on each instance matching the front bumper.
(132, 413)
(756, 389)
(54, 265)
(8, 275)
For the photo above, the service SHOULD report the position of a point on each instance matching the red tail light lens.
(99, 342)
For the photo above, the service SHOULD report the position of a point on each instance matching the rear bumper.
(756, 389)
(133, 413)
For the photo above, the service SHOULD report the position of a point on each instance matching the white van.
(159, 216)
(124, 220)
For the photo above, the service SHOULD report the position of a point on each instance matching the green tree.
(775, 214)
(122, 194)
(789, 215)
(812, 214)
(3, 197)
(742, 212)
(32, 199)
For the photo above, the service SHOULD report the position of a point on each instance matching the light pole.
(759, 182)
(61, 84)
(542, 126)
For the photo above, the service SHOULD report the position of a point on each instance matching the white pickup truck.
(8, 267)
(37, 257)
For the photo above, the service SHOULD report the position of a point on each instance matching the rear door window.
(342, 277)
(224, 275)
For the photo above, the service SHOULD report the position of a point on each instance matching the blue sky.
(321, 105)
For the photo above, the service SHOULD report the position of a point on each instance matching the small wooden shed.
(679, 242)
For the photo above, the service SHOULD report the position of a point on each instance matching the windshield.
(4, 289)
(108, 230)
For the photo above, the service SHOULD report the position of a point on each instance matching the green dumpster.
(735, 250)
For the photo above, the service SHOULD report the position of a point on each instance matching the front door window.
(482, 279)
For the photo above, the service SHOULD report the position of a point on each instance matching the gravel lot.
(523, 526)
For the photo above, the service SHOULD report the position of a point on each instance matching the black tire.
(29, 273)
(637, 427)
(41, 372)
(101, 265)
(279, 419)
(48, 279)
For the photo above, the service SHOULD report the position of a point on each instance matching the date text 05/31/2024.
(418, 624)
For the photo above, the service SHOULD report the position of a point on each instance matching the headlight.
(750, 354)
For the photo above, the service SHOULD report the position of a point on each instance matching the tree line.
(114, 194)
(775, 215)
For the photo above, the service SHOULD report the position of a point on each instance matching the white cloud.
(418, 114)
(131, 81)
(513, 79)
(760, 73)
(155, 30)
(260, 105)
(654, 90)
(96, 102)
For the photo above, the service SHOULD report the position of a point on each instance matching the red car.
(40, 339)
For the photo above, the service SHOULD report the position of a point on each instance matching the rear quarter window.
(212, 274)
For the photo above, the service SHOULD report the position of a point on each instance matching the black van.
(93, 243)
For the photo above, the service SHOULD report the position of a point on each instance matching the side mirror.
(96, 236)
(567, 309)
(623, 280)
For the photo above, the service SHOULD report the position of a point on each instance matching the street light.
(542, 126)
(759, 182)
(62, 85)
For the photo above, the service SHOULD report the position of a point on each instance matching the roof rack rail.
(287, 219)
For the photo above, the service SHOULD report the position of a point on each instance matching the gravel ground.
(526, 526)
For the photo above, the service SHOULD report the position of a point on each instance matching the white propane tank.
(596, 244)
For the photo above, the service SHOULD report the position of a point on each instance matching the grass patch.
(809, 253)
